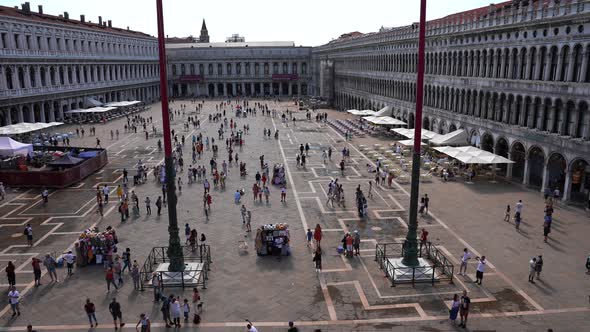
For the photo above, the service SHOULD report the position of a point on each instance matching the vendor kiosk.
(273, 239)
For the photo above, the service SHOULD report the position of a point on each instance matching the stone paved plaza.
(350, 294)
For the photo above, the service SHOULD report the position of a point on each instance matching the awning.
(92, 110)
(66, 161)
(409, 142)
(457, 137)
(384, 120)
(473, 155)
(25, 127)
(10, 147)
(93, 102)
(409, 133)
(362, 113)
(123, 103)
(385, 111)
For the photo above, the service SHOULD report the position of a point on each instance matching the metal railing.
(188, 277)
(440, 270)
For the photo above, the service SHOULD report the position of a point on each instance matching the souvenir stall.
(273, 240)
(278, 175)
(96, 247)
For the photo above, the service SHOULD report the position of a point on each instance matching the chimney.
(40, 9)
(82, 19)
(26, 7)
(110, 24)
(127, 28)
(66, 15)
(100, 20)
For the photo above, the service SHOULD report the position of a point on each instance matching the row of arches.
(239, 68)
(553, 115)
(55, 109)
(14, 77)
(567, 63)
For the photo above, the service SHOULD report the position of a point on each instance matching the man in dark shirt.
(115, 310)
(464, 309)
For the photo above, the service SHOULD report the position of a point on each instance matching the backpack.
(25, 232)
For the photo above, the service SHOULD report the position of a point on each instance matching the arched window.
(9, 81)
(577, 63)
(192, 68)
(553, 56)
(210, 69)
(533, 62)
(21, 77)
(565, 62)
(543, 63)
(32, 76)
(42, 73)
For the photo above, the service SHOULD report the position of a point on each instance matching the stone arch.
(487, 142)
(502, 149)
(434, 125)
(411, 121)
(452, 128)
(579, 171)
(536, 157)
(426, 123)
(556, 171)
(518, 155)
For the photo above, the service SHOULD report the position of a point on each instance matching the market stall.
(273, 239)
(11, 148)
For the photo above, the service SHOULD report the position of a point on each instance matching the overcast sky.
(306, 22)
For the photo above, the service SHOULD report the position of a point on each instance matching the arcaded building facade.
(52, 64)
(515, 76)
(238, 69)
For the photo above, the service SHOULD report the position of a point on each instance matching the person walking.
(292, 327)
(165, 309)
(507, 215)
(187, 233)
(539, 266)
(14, 300)
(110, 279)
(357, 243)
(90, 310)
(518, 208)
(464, 309)
(532, 269)
(248, 221)
(317, 235)
(175, 312)
(317, 258)
(36, 263)
(29, 233)
(243, 211)
(148, 207)
(455, 305)
(115, 310)
(135, 275)
(10, 274)
(156, 286)
(426, 201)
(481, 265)
(464, 259)
(144, 323)
(159, 204)
(50, 264)
(546, 227)
(69, 258)
(283, 194)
